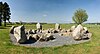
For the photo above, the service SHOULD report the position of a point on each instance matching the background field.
(91, 47)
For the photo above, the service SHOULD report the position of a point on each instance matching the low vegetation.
(91, 47)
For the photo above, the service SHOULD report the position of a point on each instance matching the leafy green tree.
(80, 16)
(1, 5)
(6, 13)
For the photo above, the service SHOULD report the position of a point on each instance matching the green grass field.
(91, 47)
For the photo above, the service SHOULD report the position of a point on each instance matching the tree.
(1, 5)
(80, 16)
(6, 13)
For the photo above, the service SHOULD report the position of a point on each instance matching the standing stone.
(12, 29)
(57, 26)
(39, 26)
(19, 33)
(77, 32)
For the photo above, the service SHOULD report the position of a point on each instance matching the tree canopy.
(80, 16)
(4, 13)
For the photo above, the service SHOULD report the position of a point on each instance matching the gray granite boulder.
(77, 32)
(55, 31)
(35, 36)
(85, 34)
(32, 31)
(19, 34)
(72, 28)
(81, 32)
(46, 31)
(65, 34)
(46, 37)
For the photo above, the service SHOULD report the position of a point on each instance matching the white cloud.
(44, 15)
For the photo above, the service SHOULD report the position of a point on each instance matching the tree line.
(4, 13)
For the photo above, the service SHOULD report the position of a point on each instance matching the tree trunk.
(8, 21)
(0, 22)
(5, 23)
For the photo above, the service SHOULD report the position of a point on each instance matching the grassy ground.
(91, 47)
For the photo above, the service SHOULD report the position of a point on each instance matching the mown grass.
(91, 47)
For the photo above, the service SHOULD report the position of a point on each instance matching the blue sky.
(52, 11)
